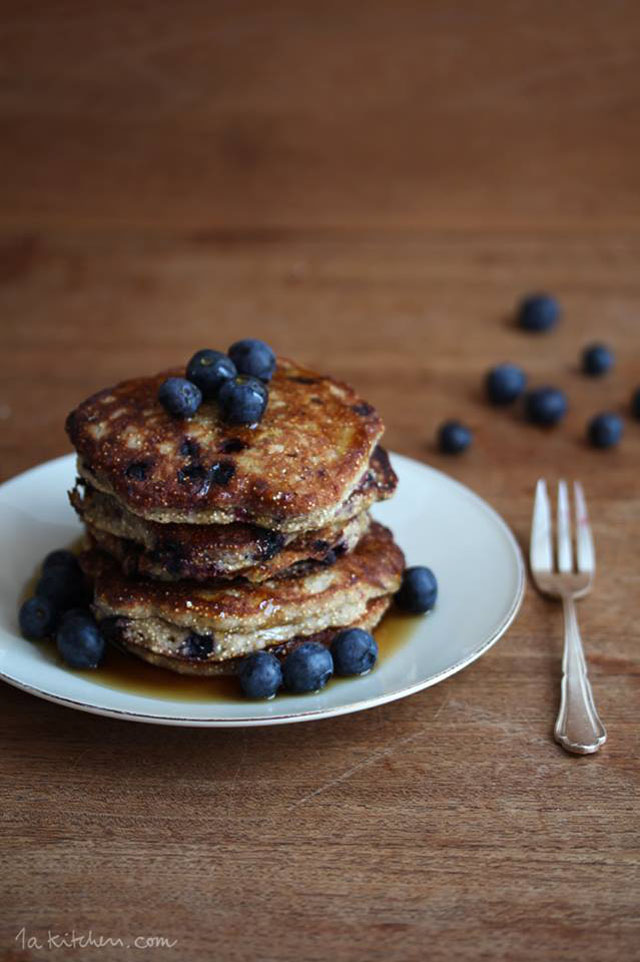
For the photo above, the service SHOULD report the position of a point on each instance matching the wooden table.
(370, 188)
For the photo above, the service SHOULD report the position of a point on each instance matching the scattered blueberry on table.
(545, 405)
(454, 437)
(605, 430)
(307, 668)
(260, 675)
(538, 312)
(243, 400)
(181, 398)
(253, 357)
(354, 652)
(79, 641)
(418, 591)
(597, 359)
(209, 370)
(505, 383)
(635, 403)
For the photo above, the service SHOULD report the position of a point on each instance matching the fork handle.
(578, 727)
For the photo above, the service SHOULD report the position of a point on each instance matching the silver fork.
(578, 727)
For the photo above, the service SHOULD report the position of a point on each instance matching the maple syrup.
(125, 672)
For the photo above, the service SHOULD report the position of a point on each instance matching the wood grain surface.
(371, 188)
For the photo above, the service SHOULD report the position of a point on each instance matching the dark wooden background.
(370, 187)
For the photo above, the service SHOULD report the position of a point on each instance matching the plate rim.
(316, 714)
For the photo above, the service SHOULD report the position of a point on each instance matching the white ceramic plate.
(437, 522)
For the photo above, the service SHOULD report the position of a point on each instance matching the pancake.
(211, 557)
(221, 623)
(117, 632)
(212, 552)
(292, 472)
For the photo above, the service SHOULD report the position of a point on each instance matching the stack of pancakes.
(210, 541)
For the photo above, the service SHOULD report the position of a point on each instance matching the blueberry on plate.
(254, 358)
(260, 675)
(37, 618)
(635, 403)
(354, 652)
(605, 430)
(181, 398)
(79, 641)
(454, 437)
(418, 591)
(597, 359)
(307, 668)
(243, 400)
(209, 370)
(63, 587)
(62, 558)
(505, 383)
(77, 614)
(538, 312)
(545, 405)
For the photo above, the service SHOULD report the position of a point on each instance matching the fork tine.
(565, 551)
(584, 539)
(541, 551)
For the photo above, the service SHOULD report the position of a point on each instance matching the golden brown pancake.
(174, 620)
(169, 564)
(205, 552)
(292, 472)
(118, 632)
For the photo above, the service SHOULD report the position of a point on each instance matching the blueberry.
(454, 437)
(243, 400)
(538, 312)
(505, 383)
(270, 543)
(222, 471)
(197, 646)
(37, 618)
(635, 403)
(180, 397)
(418, 591)
(253, 357)
(605, 430)
(307, 668)
(545, 405)
(354, 652)
(137, 470)
(260, 675)
(63, 587)
(189, 448)
(597, 359)
(233, 446)
(60, 559)
(209, 370)
(76, 614)
(364, 409)
(196, 475)
(79, 642)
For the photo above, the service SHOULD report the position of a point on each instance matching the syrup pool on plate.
(127, 673)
